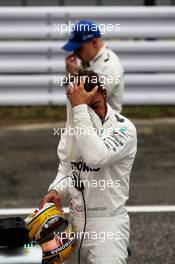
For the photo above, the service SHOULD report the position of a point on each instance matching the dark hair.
(91, 80)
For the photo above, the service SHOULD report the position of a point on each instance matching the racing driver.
(105, 152)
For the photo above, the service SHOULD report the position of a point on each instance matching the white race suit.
(105, 161)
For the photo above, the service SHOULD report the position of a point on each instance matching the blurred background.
(32, 104)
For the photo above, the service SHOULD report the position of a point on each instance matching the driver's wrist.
(80, 111)
(77, 104)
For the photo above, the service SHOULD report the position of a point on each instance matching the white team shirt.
(106, 163)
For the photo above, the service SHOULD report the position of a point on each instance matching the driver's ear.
(104, 93)
(94, 42)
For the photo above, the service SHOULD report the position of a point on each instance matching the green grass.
(42, 114)
(32, 114)
(149, 112)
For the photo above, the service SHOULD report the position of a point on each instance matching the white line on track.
(130, 209)
(151, 208)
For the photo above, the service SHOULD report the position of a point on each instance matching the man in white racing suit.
(106, 150)
(86, 43)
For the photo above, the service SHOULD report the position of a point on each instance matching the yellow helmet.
(53, 232)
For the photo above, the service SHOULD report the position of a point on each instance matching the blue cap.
(82, 32)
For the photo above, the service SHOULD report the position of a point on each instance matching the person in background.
(85, 42)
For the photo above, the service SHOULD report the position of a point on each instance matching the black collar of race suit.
(88, 64)
(107, 113)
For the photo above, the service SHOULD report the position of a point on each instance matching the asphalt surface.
(152, 238)
(28, 163)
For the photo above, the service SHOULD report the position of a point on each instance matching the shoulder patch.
(123, 130)
(121, 120)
